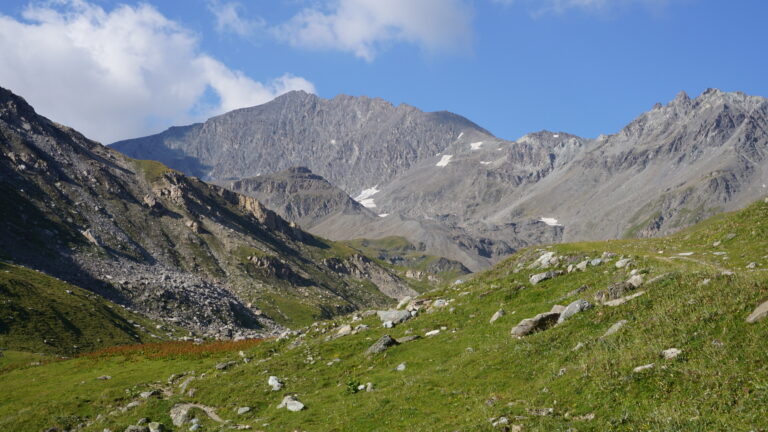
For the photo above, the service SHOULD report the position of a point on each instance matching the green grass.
(151, 170)
(413, 259)
(39, 313)
(473, 370)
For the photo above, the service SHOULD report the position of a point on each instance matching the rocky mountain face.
(163, 244)
(472, 197)
(299, 195)
(345, 139)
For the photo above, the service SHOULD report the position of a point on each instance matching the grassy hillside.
(699, 286)
(41, 314)
(402, 256)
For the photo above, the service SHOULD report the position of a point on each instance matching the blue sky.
(119, 69)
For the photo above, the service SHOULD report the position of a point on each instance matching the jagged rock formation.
(161, 243)
(472, 197)
(301, 196)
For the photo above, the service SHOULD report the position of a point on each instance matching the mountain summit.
(441, 180)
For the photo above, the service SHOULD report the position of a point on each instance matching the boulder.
(225, 365)
(149, 394)
(574, 308)
(531, 325)
(291, 403)
(543, 261)
(156, 427)
(671, 353)
(614, 328)
(759, 313)
(643, 368)
(381, 345)
(557, 308)
(499, 313)
(636, 280)
(623, 263)
(622, 300)
(596, 262)
(344, 330)
(243, 410)
(400, 367)
(582, 265)
(543, 276)
(135, 428)
(432, 333)
(405, 339)
(275, 383)
(394, 315)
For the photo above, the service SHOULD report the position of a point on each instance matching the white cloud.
(363, 26)
(229, 19)
(122, 73)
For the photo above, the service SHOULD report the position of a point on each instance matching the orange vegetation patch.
(175, 349)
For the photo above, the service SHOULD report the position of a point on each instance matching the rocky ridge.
(161, 243)
(472, 197)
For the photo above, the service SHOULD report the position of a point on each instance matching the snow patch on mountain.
(476, 145)
(550, 221)
(444, 161)
(365, 197)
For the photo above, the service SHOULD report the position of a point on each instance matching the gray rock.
(596, 262)
(614, 328)
(149, 394)
(156, 427)
(751, 265)
(623, 263)
(643, 368)
(557, 308)
(759, 313)
(438, 303)
(622, 300)
(394, 315)
(574, 308)
(180, 413)
(381, 345)
(582, 265)
(671, 353)
(406, 339)
(400, 367)
(291, 403)
(275, 383)
(225, 365)
(543, 276)
(538, 323)
(243, 410)
(636, 280)
(498, 314)
(344, 330)
(136, 428)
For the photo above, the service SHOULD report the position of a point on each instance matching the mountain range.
(169, 247)
(440, 180)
